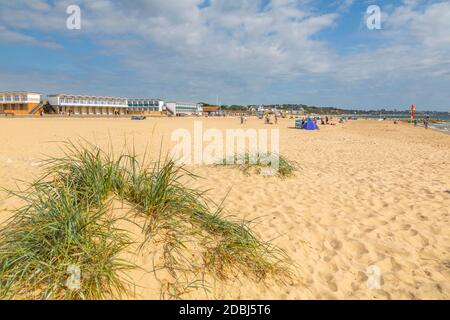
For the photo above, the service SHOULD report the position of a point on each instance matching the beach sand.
(367, 194)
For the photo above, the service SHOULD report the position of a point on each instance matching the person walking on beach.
(242, 119)
(426, 122)
(276, 119)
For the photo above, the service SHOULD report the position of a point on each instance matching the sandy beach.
(366, 194)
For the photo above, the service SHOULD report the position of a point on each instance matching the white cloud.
(239, 46)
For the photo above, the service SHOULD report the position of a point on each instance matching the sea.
(442, 124)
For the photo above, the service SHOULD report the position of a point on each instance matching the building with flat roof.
(19, 102)
(210, 109)
(88, 105)
(25, 103)
(145, 106)
(183, 108)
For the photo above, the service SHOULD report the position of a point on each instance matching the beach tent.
(310, 125)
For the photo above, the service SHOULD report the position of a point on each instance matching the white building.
(19, 102)
(88, 105)
(145, 106)
(183, 108)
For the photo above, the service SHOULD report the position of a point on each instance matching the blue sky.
(246, 52)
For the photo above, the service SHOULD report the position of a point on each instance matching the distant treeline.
(325, 110)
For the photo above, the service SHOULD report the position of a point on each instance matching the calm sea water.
(443, 124)
(418, 117)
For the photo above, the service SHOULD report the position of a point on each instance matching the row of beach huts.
(32, 103)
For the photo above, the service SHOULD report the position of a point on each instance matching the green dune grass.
(67, 221)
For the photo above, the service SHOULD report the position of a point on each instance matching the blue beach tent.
(310, 125)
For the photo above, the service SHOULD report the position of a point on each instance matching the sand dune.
(366, 194)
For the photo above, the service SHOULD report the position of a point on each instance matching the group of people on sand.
(426, 122)
(267, 119)
(323, 120)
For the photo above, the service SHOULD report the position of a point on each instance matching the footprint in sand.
(424, 241)
(335, 244)
(361, 277)
(330, 282)
(406, 227)
(369, 230)
(332, 285)
(395, 266)
(329, 256)
(357, 248)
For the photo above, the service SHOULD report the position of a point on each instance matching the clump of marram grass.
(264, 163)
(55, 230)
(67, 221)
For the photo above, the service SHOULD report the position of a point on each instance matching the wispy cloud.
(8, 36)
